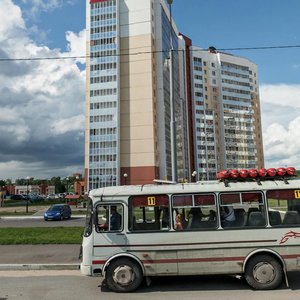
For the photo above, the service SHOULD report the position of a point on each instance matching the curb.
(20, 217)
(26, 267)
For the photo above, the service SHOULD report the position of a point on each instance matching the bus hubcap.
(123, 275)
(264, 273)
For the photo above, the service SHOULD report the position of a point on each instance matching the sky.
(42, 101)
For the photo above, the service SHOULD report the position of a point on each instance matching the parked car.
(35, 197)
(18, 197)
(50, 196)
(58, 212)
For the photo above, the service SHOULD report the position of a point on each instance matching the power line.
(145, 52)
(262, 48)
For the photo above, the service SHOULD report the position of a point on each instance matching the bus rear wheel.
(264, 272)
(124, 275)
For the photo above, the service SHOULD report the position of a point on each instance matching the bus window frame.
(194, 205)
(89, 218)
(109, 205)
(150, 205)
(241, 202)
(261, 204)
(193, 200)
(269, 197)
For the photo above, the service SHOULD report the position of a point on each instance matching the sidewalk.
(39, 257)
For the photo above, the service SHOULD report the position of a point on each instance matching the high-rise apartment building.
(226, 112)
(132, 107)
(153, 99)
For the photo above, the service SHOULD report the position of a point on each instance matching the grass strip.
(41, 235)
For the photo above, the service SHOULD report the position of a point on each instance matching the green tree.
(8, 181)
(2, 183)
(59, 186)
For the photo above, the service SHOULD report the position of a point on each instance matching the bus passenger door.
(109, 238)
(150, 237)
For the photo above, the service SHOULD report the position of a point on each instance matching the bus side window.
(194, 211)
(241, 210)
(149, 213)
(283, 208)
(150, 218)
(110, 217)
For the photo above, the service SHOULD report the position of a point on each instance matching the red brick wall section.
(139, 175)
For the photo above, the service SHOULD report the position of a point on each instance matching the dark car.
(18, 197)
(58, 212)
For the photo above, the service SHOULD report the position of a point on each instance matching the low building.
(35, 189)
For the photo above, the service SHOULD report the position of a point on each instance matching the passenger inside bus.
(195, 216)
(228, 216)
(165, 217)
(115, 219)
(178, 222)
(212, 216)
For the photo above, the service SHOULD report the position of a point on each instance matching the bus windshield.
(89, 219)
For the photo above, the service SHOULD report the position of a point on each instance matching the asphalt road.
(46, 285)
(39, 222)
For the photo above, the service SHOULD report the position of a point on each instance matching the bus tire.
(264, 272)
(124, 275)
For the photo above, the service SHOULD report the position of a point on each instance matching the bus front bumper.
(86, 269)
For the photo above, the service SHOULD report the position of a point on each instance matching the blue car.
(58, 212)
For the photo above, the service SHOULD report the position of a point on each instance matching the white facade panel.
(135, 29)
(135, 17)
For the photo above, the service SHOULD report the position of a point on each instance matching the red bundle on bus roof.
(281, 171)
(244, 173)
(253, 173)
(271, 172)
(224, 174)
(234, 174)
(262, 172)
(291, 171)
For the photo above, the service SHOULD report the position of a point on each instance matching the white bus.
(133, 232)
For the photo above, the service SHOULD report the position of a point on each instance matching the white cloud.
(14, 125)
(76, 45)
(11, 20)
(37, 6)
(75, 123)
(42, 102)
(281, 94)
(280, 108)
(38, 170)
(43, 5)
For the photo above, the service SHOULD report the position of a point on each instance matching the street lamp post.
(67, 188)
(125, 175)
(27, 192)
(78, 188)
(67, 185)
(2, 191)
(194, 174)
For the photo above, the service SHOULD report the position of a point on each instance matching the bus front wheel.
(124, 275)
(264, 272)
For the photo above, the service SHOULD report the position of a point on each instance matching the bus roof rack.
(257, 180)
(260, 175)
